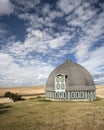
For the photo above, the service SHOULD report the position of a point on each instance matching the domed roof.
(76, 77)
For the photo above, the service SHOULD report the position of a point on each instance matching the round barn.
(70, 81)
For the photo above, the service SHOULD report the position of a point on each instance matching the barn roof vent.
(67, 61)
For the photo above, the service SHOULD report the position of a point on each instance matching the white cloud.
(95, 60)
(81, 50)
(46, 9)
(92, 60)
(17, 75)
(82, 14)
(25, 5)
(6, 61)
(37, 34)
(51, 14)
(99, 80)
(6, 8)
(85, 50)
(3, 33)
(23, 62)
(68, 5)
(59, 41)
(38, 41)
(94, 64)
(92, 34)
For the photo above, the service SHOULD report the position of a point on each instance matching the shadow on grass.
(98, 99)
(4, 108)
(41, 99)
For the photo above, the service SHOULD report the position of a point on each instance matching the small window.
(77, 94)
(58, 86)
(60, 83)
(56, 95)
(64, 95)
(82, 94)
(72, 95)
(62, 86)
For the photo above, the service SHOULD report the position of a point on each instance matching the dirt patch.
(5, 100)
(100, 91)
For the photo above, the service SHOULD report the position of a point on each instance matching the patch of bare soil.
(5, 100)
(100, 91)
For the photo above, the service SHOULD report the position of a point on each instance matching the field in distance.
(41, 90)
(100, 91)
(24, 90)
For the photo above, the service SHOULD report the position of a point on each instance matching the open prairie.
(24, 90)
(39, 114)
(100, 91)
(41, 90)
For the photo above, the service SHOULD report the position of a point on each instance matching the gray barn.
(70, 81)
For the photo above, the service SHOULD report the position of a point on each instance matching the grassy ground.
(38, 114)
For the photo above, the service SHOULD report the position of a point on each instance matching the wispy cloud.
(68, 6)
(69, 28)
(24, 5)
(6, 7)
(3, 32)
(16, 75)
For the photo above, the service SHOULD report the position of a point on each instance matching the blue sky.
(38, 35)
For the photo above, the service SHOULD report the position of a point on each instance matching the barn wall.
(71, 95)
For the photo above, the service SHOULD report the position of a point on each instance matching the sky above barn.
(38, 35)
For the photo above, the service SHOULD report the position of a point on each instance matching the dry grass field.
(41, 90)
(26, 92)
(100, 91)
(32, 92)
(39, 114)
(23, 90)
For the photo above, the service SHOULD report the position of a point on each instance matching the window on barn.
(77, 94)
(60, 83)
(82, 94)
(72, 94)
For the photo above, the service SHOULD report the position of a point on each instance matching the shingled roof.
(77, 77)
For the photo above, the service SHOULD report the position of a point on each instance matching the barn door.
(60, 83)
